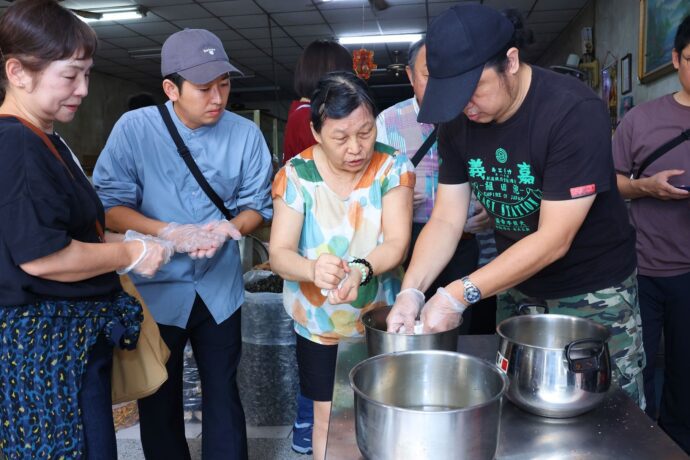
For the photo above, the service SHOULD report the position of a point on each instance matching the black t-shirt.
(41, 210)
(557, 146)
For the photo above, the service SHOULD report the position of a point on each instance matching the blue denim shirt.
(141, 169)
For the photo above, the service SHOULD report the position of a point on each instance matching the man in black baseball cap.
(534, 147)
(459, 43)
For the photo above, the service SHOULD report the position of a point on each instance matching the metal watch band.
(471, 294)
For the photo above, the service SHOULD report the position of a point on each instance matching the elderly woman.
(341, 227)
(61, 304)
(318, 58)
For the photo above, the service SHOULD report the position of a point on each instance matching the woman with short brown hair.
(61, 304)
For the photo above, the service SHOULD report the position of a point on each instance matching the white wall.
(616, 30)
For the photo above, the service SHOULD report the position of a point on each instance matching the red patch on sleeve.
(584, 190)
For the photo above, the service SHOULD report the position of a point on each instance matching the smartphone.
(684, 187)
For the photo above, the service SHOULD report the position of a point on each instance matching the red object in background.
(298, 136)
(363, 63)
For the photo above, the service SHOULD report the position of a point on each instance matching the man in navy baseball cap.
(534, 146)
(459, 43)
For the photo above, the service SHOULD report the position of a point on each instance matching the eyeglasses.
(684, 58)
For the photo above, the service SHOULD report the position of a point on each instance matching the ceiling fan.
(395, 69)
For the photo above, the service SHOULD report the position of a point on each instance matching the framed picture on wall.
(609, 90)
(626, 74)
(659, 20)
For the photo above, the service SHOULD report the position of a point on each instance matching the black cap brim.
(445, 98)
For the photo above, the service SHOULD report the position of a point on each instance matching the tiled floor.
(265, 443)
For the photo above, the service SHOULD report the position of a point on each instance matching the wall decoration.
(363, 63)
(626, 104)
(609, 92)
(626, 74)
(659, 20)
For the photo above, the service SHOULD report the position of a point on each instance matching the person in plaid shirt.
(398, 127)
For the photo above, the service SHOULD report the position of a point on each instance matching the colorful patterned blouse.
(347, 228)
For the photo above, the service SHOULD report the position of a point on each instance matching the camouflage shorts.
(617, 308)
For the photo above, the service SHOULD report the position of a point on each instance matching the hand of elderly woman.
(442, 312)
(329, 271)
(347, 290)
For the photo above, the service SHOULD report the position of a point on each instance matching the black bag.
(184, 152)
(428, 142)
(682, 137)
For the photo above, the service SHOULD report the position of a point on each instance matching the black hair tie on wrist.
(370, 271)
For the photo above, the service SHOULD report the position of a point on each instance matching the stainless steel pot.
(558, 366)
(427, 405)
(379, 341)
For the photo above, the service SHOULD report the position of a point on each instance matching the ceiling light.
(145, 53)
(363, 39)
(114, 14)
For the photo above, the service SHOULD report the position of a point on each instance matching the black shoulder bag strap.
(428, 142)
(682, 137)
(191, 164)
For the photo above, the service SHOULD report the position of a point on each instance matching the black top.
(41, 210)
(557, 146)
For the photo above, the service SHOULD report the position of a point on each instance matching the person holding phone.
(660, 212)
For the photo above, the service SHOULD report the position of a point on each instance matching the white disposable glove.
(225, 229)
(442, 312)
(156, 253)
(402, 317)
(191, 238)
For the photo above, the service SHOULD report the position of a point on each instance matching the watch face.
(472, 294)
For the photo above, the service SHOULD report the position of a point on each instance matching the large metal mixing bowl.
(379, 341)
(427, 405)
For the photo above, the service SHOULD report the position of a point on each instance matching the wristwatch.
(472, 293)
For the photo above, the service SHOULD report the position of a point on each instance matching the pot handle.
(524, 309)
(584, 355)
